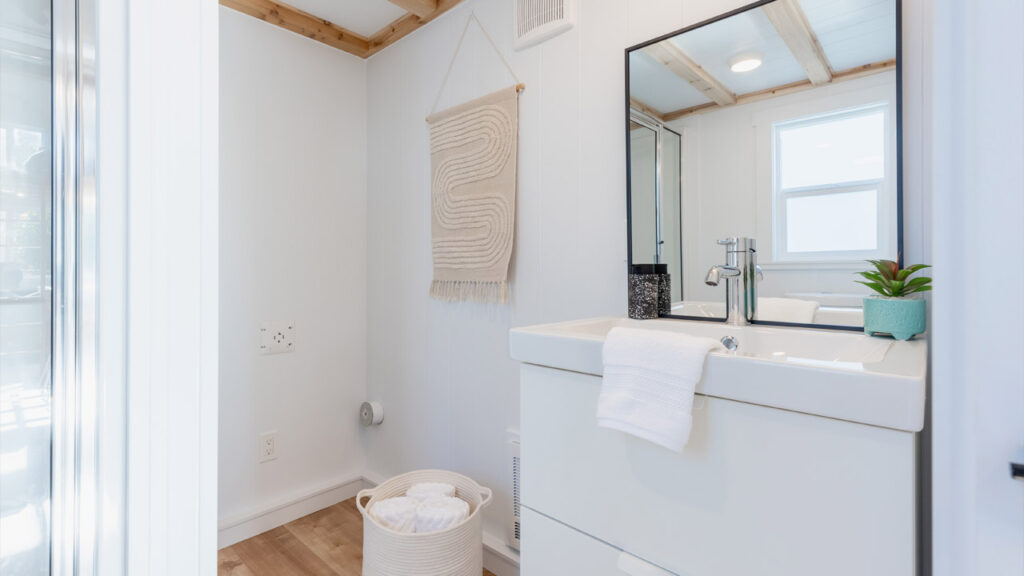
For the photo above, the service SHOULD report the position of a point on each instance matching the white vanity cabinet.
(759, 490)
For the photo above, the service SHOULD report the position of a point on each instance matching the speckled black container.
(644, 283)
(664, 290)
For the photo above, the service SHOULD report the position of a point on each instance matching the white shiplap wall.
(442, 370)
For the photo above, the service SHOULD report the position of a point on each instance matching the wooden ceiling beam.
(421, 8)
(670, 56)
(299, 22)
(406, 25)
(290, 18)
(791, 23)
(644, 108)
(802, 85)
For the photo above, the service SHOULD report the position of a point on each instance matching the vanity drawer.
(756, 491)
(554, 549)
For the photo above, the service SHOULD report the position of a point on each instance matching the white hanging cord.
(472, 17)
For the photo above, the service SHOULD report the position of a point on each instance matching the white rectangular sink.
(844, 375)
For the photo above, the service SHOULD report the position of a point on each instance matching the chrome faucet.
(740, 266)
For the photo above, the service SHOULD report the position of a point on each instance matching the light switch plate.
(277, 338)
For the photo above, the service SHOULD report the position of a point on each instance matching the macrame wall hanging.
(473, 165)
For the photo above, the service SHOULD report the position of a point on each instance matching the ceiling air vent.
(538, 20)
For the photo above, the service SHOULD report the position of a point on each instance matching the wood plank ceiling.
(419, 13)
(789, 20)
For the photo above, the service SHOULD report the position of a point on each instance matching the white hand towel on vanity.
(440, 513)
(648, 385)
(398, 514)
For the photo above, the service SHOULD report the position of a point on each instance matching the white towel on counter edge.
(423, 490)
(440, 513)
(787, 310)
(398, 514)
(648, 384)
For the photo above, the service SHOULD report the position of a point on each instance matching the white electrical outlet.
(277, 338)
(268, 446)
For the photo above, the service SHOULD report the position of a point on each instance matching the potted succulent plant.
(895, 310)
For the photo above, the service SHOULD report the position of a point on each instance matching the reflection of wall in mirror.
(671, 218)
(727, 188)
(642, 148)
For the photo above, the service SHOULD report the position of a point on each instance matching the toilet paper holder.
(371, 413)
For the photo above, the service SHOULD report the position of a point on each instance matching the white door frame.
(157, 202)
(977, 313)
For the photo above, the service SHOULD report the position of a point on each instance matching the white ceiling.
(364, 17)
(851, 32)
(649, 84)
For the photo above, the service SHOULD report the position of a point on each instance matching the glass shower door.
(26, 194)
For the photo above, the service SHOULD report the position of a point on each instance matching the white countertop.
(836, 374)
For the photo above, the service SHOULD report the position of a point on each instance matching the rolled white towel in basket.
(423, 490)
(440, 513)
(398, 514)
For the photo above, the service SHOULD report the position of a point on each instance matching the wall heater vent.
(538, 20)
(515, 466)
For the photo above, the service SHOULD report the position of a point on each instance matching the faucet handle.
(728, 241)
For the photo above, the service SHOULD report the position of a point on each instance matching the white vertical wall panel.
(978, 178)
(293, 248)
(442, 369)
(172, 277)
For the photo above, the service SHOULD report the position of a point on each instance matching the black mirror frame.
(899, 156)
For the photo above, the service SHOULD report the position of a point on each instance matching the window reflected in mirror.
(779, 122)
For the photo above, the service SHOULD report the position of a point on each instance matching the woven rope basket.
(457, 551)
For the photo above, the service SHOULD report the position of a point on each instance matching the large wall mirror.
(779, 122)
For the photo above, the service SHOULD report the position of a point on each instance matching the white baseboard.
(499, 557)
(372, 479)
(238, 528)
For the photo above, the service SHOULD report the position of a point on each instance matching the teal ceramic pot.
(902, 317)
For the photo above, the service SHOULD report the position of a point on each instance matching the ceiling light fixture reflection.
(745, 62)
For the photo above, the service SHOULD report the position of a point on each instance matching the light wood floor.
(325, 543)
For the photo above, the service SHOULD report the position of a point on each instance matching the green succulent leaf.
(887, 268)
(874, 277)
(906, 272)
(874, 286)
(889, 280)
(878, 266)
